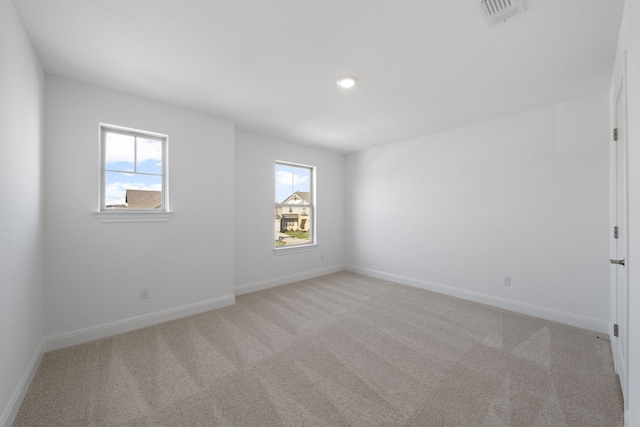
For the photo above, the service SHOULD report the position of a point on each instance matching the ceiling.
(271, 65)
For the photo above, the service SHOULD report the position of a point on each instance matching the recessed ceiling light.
(347, 82)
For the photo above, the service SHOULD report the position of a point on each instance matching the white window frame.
(133, 215)
(284, 250)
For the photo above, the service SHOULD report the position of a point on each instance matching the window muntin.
(134, 170)
(294, 207)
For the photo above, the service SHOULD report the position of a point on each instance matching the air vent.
(494, 11)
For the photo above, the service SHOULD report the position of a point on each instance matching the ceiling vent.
(494, 11)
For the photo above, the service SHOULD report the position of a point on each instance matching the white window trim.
(133, 216)
(283, 250)
(161, 215)
(295, 249)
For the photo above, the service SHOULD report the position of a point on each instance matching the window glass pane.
(284, 189)
(119, 152)
(132, 191)
(134, 170)
(294, 228)
(291, 180)
(294, 205)
(149, 156)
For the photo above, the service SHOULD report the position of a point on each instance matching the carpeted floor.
(339, 350)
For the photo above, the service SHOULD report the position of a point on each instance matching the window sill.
(133, 216)
(295, 249)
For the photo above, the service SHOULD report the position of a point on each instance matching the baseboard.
(284, 280)
(504, 303)
(80, 336)
(627, 418)
(10, 412)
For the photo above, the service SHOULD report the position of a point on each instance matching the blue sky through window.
(131, 162)
(290, 179)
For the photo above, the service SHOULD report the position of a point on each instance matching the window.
(133, 170)
(295, 208)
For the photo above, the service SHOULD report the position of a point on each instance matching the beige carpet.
(339, 350)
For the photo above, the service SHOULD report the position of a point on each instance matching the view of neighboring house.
(143, 199)
(294, 216)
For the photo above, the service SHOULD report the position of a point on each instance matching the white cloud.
(149, 149)
(288, 182)
(120, 148)
(284, 178)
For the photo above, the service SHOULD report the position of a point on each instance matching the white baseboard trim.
(10, 412)
(627, 418)
(284, 280)
(91, 333)
(504, 303)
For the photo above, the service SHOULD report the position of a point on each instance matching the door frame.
(620, 361)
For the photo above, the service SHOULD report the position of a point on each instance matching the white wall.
(21, 234)
(256, 265)
(94, 271)
(524, 196)
(630, 41)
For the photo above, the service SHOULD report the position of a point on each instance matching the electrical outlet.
(506, 281)
(144, 293)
